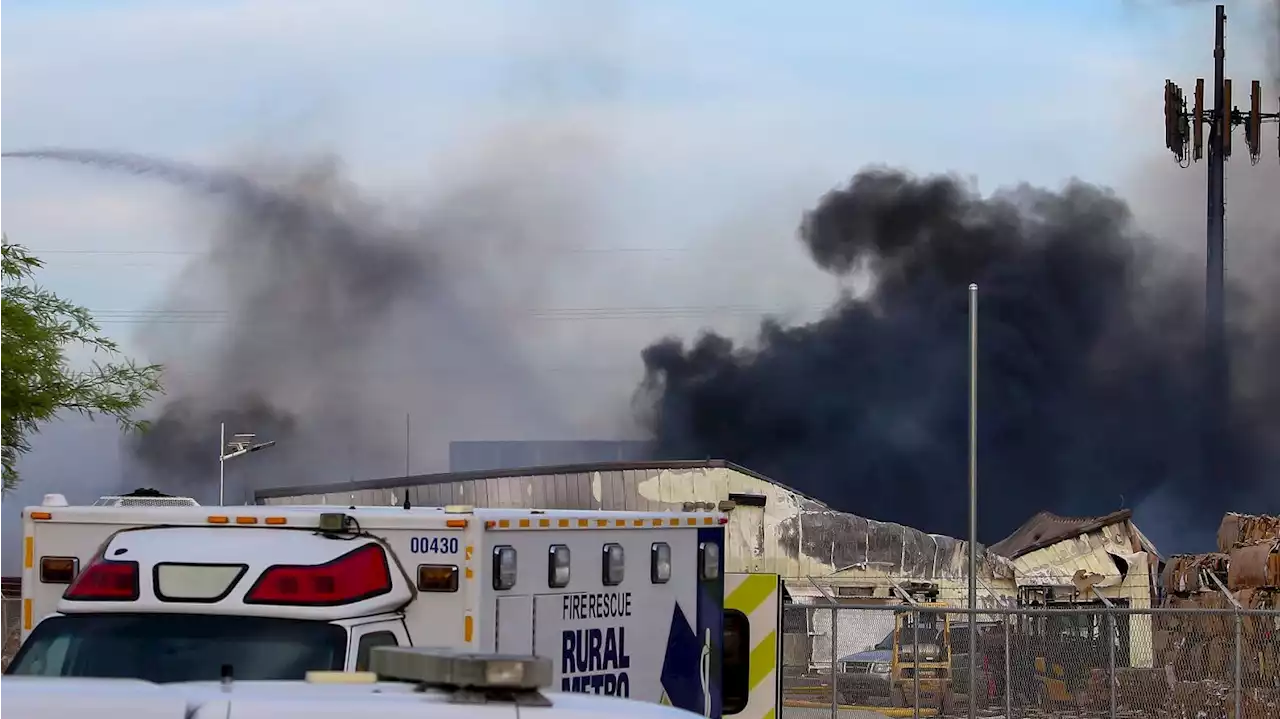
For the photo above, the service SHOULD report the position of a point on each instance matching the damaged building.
(1088, 562)
(824, 555)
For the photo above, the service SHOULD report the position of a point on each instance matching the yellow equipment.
(930, 631)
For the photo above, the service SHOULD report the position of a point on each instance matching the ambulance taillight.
(105, 580)
(360, 574)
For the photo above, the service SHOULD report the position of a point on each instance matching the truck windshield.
(179, 647)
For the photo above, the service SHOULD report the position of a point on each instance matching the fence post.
(1008, 670)
(915, 665)
(1239, 699)
(1111, 664)
(835, 633)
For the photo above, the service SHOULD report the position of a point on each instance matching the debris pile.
(1197, 651)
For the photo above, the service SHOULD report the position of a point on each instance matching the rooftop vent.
(129, 500)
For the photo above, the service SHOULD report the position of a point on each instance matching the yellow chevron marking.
(763, 658)
(769, 714)
(755, 588)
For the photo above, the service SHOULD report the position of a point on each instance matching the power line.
(192, 253)
(556, 313)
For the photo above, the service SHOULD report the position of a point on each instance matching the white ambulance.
(627, 604)
(408, 683)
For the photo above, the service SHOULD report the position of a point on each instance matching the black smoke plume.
(334, 317)
(1089, 365)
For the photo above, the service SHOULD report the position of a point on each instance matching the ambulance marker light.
(724, 520)
(218, 519)
(105, 580)
(246, 520)
(437, 578)
(41, 515)
(456, 523)
(276, 520)
(360, 574)
(58, 570)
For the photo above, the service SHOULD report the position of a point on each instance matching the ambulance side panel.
(655, 642)
(43, 538)
(436, 619)
(753, 650)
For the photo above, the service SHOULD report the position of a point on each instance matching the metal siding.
(630, 497)
(607, 485)
(493, 455)
(580, 484)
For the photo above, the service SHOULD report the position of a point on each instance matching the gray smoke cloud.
(338, 314)
(1091, 329)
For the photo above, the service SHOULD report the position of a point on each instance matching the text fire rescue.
(594, 660)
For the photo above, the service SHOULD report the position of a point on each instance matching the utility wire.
(559, 313)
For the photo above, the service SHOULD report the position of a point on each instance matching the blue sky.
(721, 121)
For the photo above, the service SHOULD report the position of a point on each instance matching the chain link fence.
(12, 612)
(898, 660)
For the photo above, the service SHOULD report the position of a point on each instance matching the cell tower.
(1184, 135)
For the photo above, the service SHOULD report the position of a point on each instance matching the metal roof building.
(773, 528)
(822, 553)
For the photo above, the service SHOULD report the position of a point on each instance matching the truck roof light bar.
(471, 678)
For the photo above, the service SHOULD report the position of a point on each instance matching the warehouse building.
(824, 555)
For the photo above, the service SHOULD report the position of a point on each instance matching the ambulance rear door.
(752, 645)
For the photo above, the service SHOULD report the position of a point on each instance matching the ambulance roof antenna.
(406, 501)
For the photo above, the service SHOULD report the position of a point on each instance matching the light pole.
(973, 499)
(240, 445)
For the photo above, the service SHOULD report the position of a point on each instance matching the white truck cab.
(404, 684)
(628, 604)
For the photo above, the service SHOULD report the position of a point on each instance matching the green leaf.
(38, 382)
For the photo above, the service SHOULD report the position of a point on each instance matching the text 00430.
(433, 545)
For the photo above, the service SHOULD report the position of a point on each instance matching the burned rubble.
(1196, 652)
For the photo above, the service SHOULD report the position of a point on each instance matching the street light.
(240, 445)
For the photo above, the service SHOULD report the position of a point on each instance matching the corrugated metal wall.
(473, 456)
(614, 489)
